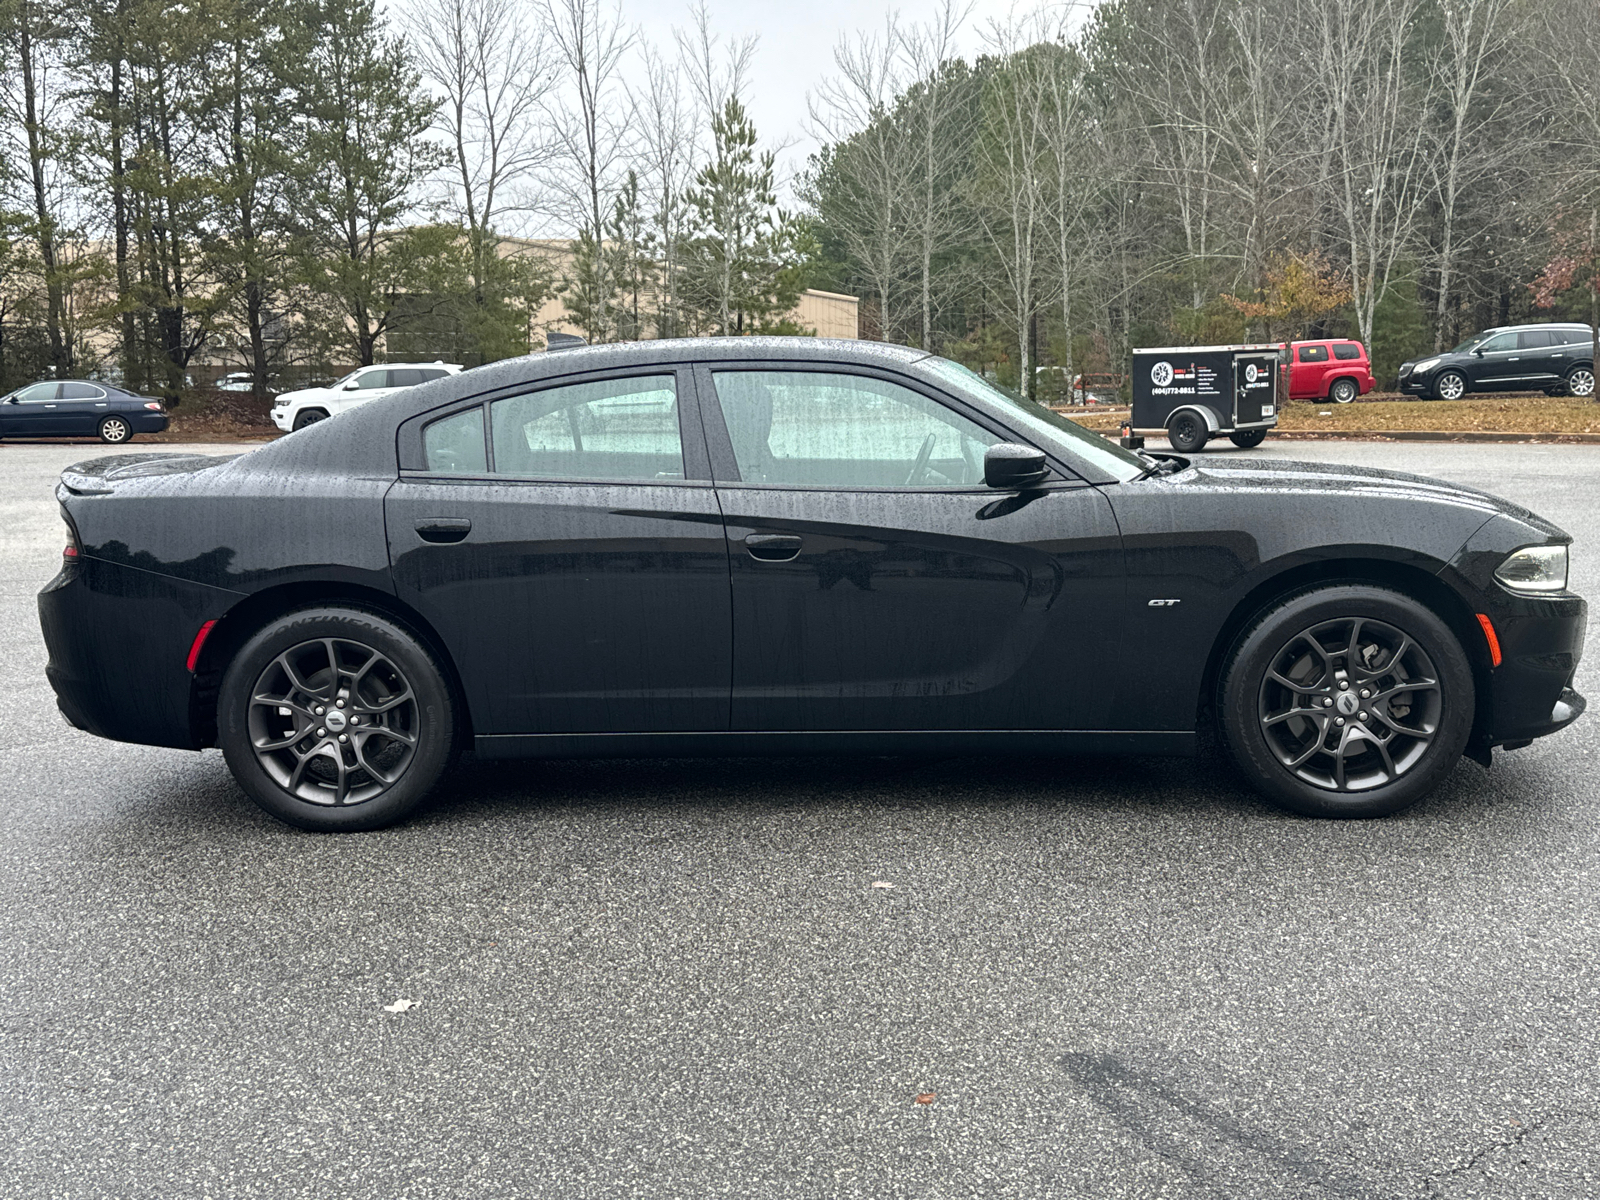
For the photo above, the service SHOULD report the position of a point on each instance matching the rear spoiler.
(97, 476)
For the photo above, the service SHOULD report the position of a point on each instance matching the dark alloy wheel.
(1580, 382)
(1344, 391)
(1347, 701)
(1187, 432)
(309, 416)
(1452, 385)
(1248, 439)
(115, 430)
(335, 719)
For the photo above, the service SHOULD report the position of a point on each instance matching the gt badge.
(1164, 603)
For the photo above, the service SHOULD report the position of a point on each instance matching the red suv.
(1335, 369)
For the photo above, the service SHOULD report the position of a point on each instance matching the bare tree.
(492, 62)
(940, 149)
(668, 128)
(1377, 150)
(874, 166)
(593, 127)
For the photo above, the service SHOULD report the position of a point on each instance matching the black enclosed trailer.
(1199, 392)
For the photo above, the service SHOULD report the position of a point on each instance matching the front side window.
(816, 429)
(1499, 342)
(454, 445)
(38, 392)
(372, 379)
(622, 429)
(1313, 354)
(1346, 351)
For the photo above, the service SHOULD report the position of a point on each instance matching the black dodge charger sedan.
(775, 546)
(79, 408)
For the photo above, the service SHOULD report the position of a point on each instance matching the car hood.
(285, 398)
(1334, 481)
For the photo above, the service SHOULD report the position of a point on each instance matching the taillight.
(153, 406)
(70, 550)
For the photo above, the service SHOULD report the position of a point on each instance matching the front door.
(571, 561)
(1497, 364)
(35, 411)
(879, 585)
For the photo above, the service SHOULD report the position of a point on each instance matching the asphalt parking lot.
(681, 979)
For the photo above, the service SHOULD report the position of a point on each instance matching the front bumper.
(280, 418)
(1531, 694)
(119, 640)
(1416, 385)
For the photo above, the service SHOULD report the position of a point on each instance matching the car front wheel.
(1347, 701)
(115, 430)
(308, 416)
(335, 719)
(1452, 385)
(1580, 382)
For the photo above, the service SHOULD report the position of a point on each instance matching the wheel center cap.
(1346, 704)
(336, 719)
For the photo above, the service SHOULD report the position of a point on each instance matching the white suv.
(296, 410)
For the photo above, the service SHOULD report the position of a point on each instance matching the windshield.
(1469, 343)
(1036, 418)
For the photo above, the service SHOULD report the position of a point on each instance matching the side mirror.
(353, 386)
(1477, 352)
(1010, 466)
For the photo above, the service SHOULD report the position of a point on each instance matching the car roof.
(1537, 325)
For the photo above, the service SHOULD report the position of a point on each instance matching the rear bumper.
(119, 639)
(147, 422)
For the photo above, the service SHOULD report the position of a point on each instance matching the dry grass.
(211, 416)
(1498, 414)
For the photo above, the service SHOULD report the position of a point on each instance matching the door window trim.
(691, 437)
(725, 467)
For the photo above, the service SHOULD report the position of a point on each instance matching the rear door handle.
(444, 529)
(773, 547)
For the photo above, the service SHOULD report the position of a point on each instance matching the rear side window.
(428, 374)
(81, 391)
(1574, 337)
(1346, 350)
(405, 377)
(1535, 339)
(1311, 354)
(622, 429)
(455, 444)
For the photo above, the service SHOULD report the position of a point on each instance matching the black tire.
(1452, 385)
(305, 773)
(1343, 391)
(309, 416)
(115, 430)
(1248, 439)
(1580, 383)
(1276, 673)
(1187, 431)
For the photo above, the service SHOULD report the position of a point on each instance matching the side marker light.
(205, 630)
(1490, 637)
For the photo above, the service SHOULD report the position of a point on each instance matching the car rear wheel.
(115, 430)
(1580, 382)
(308, 416)
(1187, 432)
(1347, 701)
(1249, 439)
(1452, 385)
(1344, 391)
(335, 719)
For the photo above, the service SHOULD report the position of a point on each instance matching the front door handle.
(444, 529)
(773, 547)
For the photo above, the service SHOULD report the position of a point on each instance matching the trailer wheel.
(1248, 439)
(1187, 431)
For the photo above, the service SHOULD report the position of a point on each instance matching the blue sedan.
(79, 408)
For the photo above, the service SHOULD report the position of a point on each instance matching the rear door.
(1538, 356)
(878, 584)
(82, 407)
(573, 560)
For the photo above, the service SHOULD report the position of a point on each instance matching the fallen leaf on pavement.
(881, 884)
(927, 1097)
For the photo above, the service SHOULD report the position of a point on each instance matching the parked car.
(79, 408)
(1335, 369)
(1551, 358)
(296, 410)
(240, 381)
(811, 547)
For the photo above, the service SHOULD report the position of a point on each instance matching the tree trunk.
(55, 303)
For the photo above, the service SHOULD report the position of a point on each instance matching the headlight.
(1427, 364)
(1535, 569)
